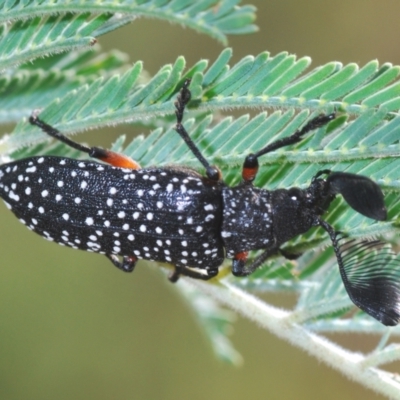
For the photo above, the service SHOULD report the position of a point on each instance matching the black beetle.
(194, 222)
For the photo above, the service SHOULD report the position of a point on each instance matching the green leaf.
(215, 18)
(21, 41)
(213, 320)
(34, 88)
(253, 81)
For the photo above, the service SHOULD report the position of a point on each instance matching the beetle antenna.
(361, 193)
(371, 275)
(182, 100)
(250, 165)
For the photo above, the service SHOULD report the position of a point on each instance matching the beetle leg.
(239, 267)
(192, 274)
(126, 265)
(108, 156)
(250, 165)
(290, 256)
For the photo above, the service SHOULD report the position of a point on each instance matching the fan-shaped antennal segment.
(361, 193)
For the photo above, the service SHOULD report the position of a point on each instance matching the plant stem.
(278, 322)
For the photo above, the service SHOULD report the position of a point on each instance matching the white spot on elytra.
(110, 202)
(84, 185)
(58, 197)
(45, 193)
(89, 221)
(77, 200)
(143, 228)
(225, 234)
(65, 216)
(112, 190)
(121, 214)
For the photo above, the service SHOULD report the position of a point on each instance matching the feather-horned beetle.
(178, 216)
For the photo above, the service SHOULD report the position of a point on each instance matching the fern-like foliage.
(84, 90)
(215, 18)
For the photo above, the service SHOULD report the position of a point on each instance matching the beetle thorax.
(244, 208)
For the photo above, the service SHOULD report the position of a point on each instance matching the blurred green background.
(73, 327)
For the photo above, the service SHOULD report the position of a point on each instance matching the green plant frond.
(213, 320)
(82, 62)
(352, 324)
(25, 40)
(213, 17)
(265, 81)
(132, 100)
(27, 88)
(253, 81)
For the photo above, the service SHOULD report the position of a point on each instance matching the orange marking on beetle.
(248, 174)
(242, 256)
(119, 160)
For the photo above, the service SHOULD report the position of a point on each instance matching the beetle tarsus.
(184, 271)
(126, 265)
